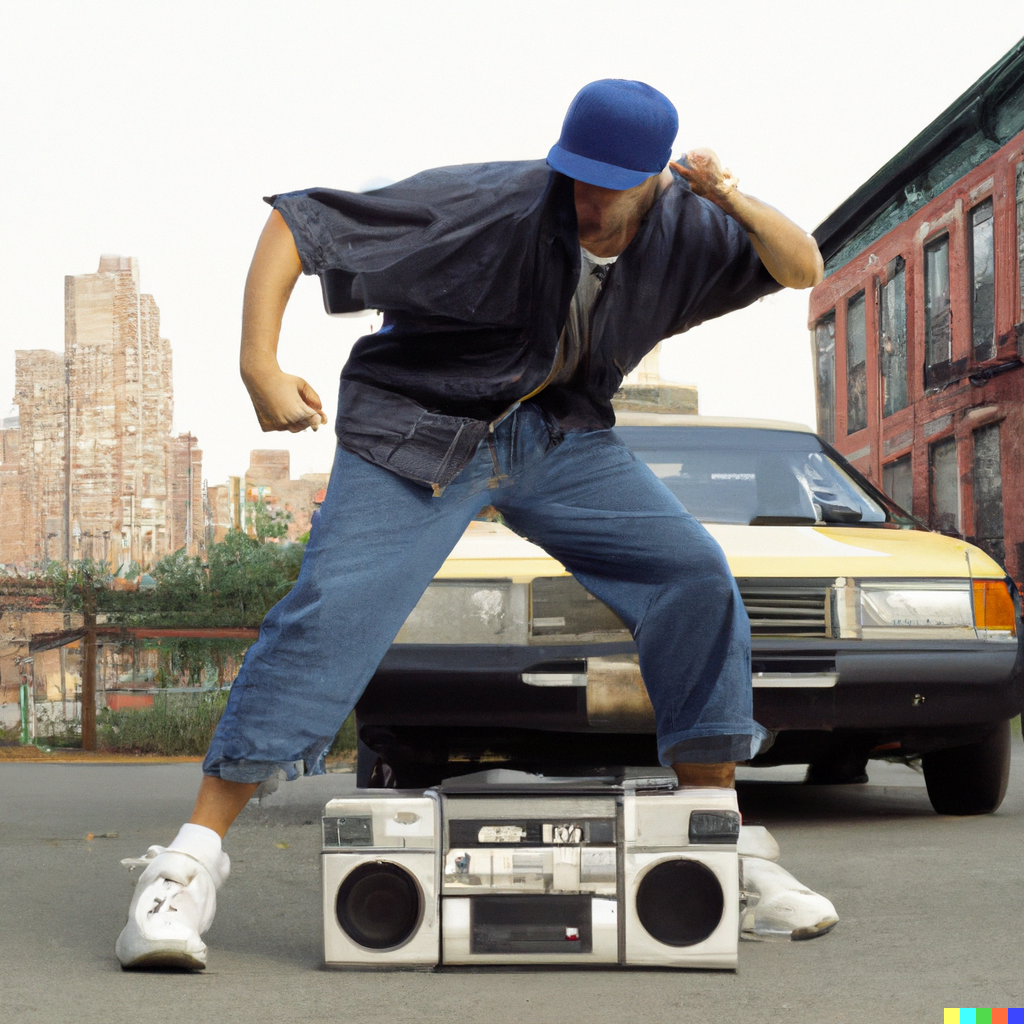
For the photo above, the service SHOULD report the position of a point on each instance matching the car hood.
(492, 550)
(822, 551)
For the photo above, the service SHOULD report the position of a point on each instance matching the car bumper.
(798, 685)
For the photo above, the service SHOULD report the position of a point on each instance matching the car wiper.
(840, 514)
(783, 521)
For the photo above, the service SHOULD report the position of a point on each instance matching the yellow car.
(871, 636)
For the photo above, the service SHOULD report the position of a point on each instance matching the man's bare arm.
(790, 254)
(282, 401)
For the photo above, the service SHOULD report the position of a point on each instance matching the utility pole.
(89, 664)
(66, 538)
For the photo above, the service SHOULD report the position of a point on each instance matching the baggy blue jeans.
(380, 539)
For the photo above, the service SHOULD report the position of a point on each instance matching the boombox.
(502, 867)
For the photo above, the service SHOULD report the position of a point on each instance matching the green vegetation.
(177, 724)
(241, 579)
(181, 724)
(344, 744)
(267, 523)
(237, 585)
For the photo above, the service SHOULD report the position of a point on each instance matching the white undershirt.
(576, 337)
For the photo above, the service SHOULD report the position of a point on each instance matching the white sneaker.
(784, 907)
(173, 904)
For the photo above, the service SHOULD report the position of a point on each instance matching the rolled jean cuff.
(257, 771)
(687, 748)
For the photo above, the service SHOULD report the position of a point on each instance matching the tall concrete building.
(37, 487)
(223, 509)
(98, 474)
(186, 515)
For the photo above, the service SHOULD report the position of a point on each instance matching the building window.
(898, 482)
(988, 493)
(893, 338)
(937, 338)
(856, 366)
(983, 281)
(825, 362)
(945, 493)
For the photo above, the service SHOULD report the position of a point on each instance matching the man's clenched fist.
(706, 176)
(285, 402)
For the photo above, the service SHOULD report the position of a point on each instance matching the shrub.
(11, 736)
(182, 724)
(176, 724)
(345, 742)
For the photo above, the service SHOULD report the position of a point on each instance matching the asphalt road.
(930, 915)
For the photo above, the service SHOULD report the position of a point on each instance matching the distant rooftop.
(111, 263)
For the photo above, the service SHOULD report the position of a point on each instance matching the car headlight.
(468, 612)
(923, 609)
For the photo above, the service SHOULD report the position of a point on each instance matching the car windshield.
(759, 477)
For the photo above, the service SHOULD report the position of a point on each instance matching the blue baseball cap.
(616, 134)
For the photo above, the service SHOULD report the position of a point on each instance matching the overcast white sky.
(153, 129)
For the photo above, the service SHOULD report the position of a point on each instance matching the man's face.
(608, 217)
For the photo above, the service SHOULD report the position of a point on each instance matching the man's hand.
(284, 402)
(790, 254)
(706, 176)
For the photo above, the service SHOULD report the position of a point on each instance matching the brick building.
(268, 480)
(33, 482)
(90, 468)
(918, 326)
(223, 509)
(185, 511)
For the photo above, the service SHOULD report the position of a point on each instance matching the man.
(515, 297)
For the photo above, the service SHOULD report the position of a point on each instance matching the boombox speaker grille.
(379, 905)
(680, 902)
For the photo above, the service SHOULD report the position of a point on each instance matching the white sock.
(202, 844)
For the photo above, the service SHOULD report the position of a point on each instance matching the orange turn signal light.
(993, 606)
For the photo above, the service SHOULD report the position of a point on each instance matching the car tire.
(970, 779)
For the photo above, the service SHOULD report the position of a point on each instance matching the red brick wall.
(953, 406)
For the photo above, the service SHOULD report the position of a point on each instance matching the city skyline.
(90, 467)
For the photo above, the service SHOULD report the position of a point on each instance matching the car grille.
(784, 608)
(562, 610)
